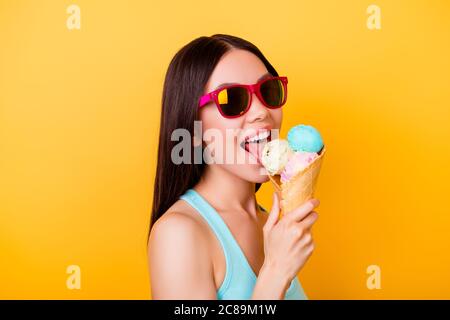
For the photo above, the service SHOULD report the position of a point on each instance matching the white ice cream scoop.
(275, 155)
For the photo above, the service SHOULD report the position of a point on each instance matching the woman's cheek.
(277, 116)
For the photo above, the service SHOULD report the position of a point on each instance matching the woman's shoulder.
(179, 246)
(179, 224)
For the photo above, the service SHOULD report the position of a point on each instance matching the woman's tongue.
(256, 149)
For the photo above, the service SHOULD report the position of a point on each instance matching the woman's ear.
(196, 141)
(198, 145)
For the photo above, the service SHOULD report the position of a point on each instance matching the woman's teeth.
(260, 138)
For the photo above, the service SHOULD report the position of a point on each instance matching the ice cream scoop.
(294, 168)
(297, 162)
(305, 138)
(275, 155)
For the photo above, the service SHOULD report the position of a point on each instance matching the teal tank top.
(239, 278)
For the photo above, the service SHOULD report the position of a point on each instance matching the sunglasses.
(235, 100)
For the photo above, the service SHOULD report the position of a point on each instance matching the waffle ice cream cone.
(300, 188)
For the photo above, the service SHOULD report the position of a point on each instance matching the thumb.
(274, 212)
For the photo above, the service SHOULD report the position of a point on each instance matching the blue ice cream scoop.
(304, 138)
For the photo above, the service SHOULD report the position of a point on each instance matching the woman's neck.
(227, 191)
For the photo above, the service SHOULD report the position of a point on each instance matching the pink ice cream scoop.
(297, 162)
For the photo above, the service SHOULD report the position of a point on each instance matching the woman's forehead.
(237, 66)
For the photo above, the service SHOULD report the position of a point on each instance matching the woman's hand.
(288, 242)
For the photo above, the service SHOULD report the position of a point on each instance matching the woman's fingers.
(309, 220)
(301, 212)
(273, 215)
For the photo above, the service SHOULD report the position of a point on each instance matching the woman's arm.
(179, 259)
(270, 285)
(288, 244)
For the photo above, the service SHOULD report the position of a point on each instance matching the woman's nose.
(257, 111)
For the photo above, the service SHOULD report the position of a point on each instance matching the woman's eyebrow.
(266, 75)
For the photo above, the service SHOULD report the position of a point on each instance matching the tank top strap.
(210, 215)
(235, 258)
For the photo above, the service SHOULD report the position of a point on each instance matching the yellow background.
(79, 117)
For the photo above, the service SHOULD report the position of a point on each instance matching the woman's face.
(235, 153)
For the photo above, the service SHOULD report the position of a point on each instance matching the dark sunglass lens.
(233, 101)
(273, 92)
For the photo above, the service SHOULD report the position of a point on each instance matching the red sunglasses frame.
(252, 88)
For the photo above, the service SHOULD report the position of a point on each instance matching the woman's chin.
(262, 179)
(258, 173)
(255, 173)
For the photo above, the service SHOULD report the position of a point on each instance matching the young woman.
(209, 239)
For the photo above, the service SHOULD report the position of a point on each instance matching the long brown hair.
(184, 84)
